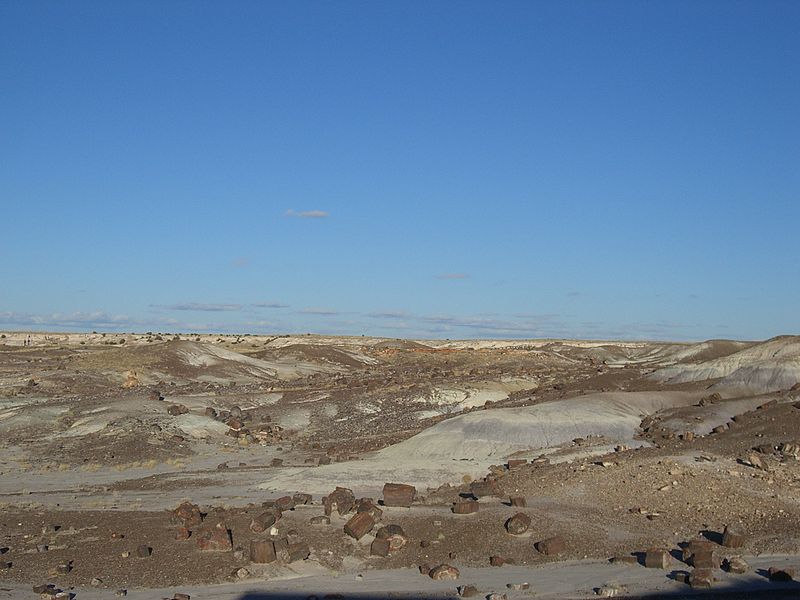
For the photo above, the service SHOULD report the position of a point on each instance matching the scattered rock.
(144, 551)
(781, 574)
(552, 545)
(359, 525)
(518, 524)
(284, 503)
(656, 558)
(262, 552)
(467, 591)
(444, 572)
(320, 520)
(265, 520)
(518, 501)
(701, 578)
(177, 410)
(731, 538)
(341, 500)
(298, 551)
(736, 565)
(189, 514)
(301, 499)
(481, 489)
(465, 507)
(497, 561)
(398, 494)
(609, 590)
(215, 539)
(518, 586)
(379, 547)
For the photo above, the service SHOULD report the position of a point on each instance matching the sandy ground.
(620, 447)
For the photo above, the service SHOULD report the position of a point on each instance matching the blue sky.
(438, 169)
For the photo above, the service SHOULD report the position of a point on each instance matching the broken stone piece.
(465, 507)
(552, 545)
(656, 558)
(379, 547)
(518, 524)
(359, 525)
(732, 538)
(398, 494)
(262, 552)
(215, 539)
(444, 572)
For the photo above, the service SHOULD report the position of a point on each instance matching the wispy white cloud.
(199, 307)
(389, 315)
(450, 276)
(306, 214)
(81, 320)
(269, 305)
(324, 312)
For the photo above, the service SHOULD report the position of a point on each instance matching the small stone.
(241, 573)
(655, 558)
(265, 520)
(341, 500)
(398, 494)
(701, 578)
(189, 514)
(623, 560)
(518, 524)
(479, 489)
(144, 551)
(262, 551)
(359, 525)
(552, 545)
(465, 507)
(608, 590)
(781, 574)
(496, 596)
(736, 565)
(96, 581)
(302, 499)
(215, 539)
(518, 501)
(444, 572)
(518, 586)
(680, 576)
(497, 561)
(284, 503)
(180, 596)
(320, 520)
(298, 551)
(467, 591)
(121, 593)
(731, 538)
(379, 547)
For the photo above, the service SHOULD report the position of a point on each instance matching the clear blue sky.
(437, 169)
